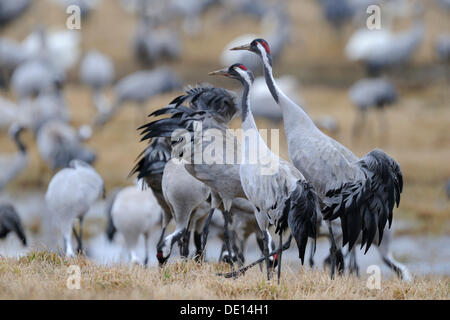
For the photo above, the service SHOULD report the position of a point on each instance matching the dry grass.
(44, 276)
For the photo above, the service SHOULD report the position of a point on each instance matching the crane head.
(259, 46)
(236, 71)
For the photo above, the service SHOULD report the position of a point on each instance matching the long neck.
(293, 115)
(253, 144)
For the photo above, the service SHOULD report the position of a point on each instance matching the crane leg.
(280, 252)
(185, 244)
(266, 254)
(353, 264)
(146, 236)
(226, 216)
(79, 236)
(333, 250)
(198, 245)
(311, 255)
(206, 230)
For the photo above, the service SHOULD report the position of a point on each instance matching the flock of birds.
(322, 181)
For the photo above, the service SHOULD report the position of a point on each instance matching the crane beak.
(244, 47)
(222, 72)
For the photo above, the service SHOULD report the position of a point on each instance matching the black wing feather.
(366, 205)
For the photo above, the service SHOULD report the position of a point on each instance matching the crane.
(97, 72)
(70, 194)
(138, 87)
(278, 191)
(135, 212)
(361, 192)
(206, 121)
(184, 194)
(370, 93)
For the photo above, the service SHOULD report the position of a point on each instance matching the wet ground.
(422, 254)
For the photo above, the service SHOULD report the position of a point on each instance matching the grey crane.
(10, 222)
(279, 191)
(370, 93)
(361, 192)
(12, 9)
(97, 72)
(138, 87)
(183, 202)
(46, 107)
(153, 43)
(34, 77)
(135, 212)
(58, 144)
(12, 165)
(70, 194)
(211, 109)
(382, 49)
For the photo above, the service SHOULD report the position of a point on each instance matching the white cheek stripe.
(264, 53)
(244, 75)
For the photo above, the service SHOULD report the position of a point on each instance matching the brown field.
(45, 276)
(418, 137)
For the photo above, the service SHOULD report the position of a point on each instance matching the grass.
(42, 275)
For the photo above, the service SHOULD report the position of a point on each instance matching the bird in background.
(10, 222)
(70, 194)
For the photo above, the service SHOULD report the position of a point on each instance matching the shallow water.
(420, 254)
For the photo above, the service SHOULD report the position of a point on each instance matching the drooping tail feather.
(300, 214)
(366, 205)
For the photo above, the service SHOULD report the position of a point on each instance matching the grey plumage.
(12, 9)
(278, 191)
(371, 93)
(138, 87)
(382, 49)
(134, 212)
(362, 192)
(70, 194)
(58, 144)
(10, 222)
(213, 108)
(34, 77)
(97, 72)
(34, 114)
